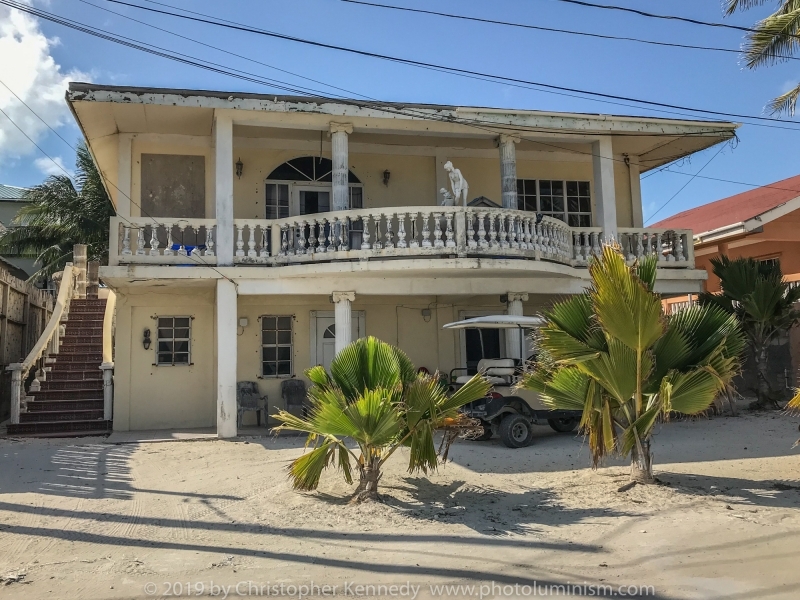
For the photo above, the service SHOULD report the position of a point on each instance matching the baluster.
(331, 240)
(659, 248)
(183, 251)
(239, 240)
(401, 230)
(140, 242)
(251, 241)
(377, 244)
(284, 239)
(449, 233)
(154, 241)
(512, 232)
(168, 251)
(389, 235)
(365, 232)
(302, 243)
(437, 230)
(596, 244)
(640, 245)
(263, 252)
(482, 243)
(501, 225)
(318, 240)
(472, 229)
(126, 241)
(412, 220)
(526, 225)
(492, 233)
(679, 256)
(426, 234)
(576, 249)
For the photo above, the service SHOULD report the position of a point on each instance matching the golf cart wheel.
(516, 431)
(487, 432)
(563, 425)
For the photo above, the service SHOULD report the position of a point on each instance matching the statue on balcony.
(458, 184)
(447, 198)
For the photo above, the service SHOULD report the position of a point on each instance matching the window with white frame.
(174, 341)
(276, 346)
(569, 201)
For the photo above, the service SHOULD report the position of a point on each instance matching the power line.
(241, 27)
(555, 30)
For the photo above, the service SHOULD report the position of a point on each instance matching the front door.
(326, 337)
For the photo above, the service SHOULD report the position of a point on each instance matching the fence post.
(79, 260)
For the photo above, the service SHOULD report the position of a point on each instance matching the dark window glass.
(173, 345)
(276, 346)
(307, 168)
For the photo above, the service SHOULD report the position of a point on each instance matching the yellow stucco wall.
(151, 397)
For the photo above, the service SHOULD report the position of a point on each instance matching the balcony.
(384, 234)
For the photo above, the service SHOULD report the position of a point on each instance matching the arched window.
(330, 333)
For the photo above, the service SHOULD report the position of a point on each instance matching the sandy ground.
(84, 519)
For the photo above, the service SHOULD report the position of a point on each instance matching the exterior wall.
(151, 397)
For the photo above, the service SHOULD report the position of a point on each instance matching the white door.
(326, 336)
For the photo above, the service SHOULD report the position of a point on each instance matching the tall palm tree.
(374, 399)
(756, 294)
(62, 213)
(616, 357)
(771, 41)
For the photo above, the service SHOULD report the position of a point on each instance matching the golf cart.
(506, 411)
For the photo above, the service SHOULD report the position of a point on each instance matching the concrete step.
(48, 416)
(67, 374)
(60, 428)
(78, 384)
(64, 405)
(76, 394)
(93, 358)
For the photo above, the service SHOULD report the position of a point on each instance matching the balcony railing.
(376, 233)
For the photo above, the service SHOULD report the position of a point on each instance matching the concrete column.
(226, 358)
(636, 190)
(79, 260)
(513, 336)
(223, 175)
(341, 165)
(604, 191)
(343, 318)
(508, 170)
(124, 167)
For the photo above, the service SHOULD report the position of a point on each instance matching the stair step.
(78, 394)
(67, 374)
(47, 416)
(94, 358)
(63, 405)
(79, 384)
(60, 428)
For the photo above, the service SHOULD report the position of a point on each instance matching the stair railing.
(49, 342)
(108, 356)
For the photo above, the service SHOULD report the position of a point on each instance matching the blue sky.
(711, 80)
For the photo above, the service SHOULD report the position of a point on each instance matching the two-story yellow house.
(258, 234)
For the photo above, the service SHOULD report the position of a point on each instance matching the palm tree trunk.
(763, 390)
(642, 463)
(368, 483)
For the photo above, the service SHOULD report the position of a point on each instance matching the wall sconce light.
(146, 339)
(239, 168)
(426, 314)
(386, 175)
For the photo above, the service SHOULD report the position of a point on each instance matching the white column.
(513, 336)
(636, 190)
(226, 358)
(124, 166)
(508, 170)
(604, 191)
(223, 172)
(341, 165)
(343, 318)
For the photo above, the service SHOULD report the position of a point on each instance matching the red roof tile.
(734, 209)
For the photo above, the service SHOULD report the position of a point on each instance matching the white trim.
(360, 315)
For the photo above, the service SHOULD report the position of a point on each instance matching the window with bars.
(174, 341)
(569, 201)
(276, 346)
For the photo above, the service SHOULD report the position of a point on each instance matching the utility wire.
(555, 30)
(241, 27)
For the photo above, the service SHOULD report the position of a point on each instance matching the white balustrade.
(389, 232)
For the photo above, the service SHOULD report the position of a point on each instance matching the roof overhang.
(752, 225)
(103, 110)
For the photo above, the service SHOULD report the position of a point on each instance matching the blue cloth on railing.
(189, 249)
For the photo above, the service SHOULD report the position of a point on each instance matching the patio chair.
(293, 392)
(248, 398)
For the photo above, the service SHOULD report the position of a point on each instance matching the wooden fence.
(24, 313)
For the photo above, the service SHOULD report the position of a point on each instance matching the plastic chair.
(248, 398)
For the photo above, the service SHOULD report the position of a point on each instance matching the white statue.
(458, 184)
(447, 198)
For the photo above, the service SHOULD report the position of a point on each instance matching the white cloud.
(30, 71)
(46, 166)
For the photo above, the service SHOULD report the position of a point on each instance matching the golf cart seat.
(497, 370)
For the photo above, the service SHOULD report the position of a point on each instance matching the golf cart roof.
(497, 322)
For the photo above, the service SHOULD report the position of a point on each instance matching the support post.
(124, 167)
(634, 172)
(508, 170)
(514, 336)
(341, 168)
(108, 390)
(226, 358)
(16, 391)
(79, 260)
(223, 169)
(343, 318)
(604, 191)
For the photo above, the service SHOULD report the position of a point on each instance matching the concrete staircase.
(70, 401)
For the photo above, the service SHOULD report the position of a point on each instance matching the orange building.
(763, 224)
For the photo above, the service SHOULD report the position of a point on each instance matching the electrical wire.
(554, 30)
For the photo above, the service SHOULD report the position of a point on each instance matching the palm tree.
(772, 40)
(616, 357)
(756, 294)
(61, 215)
(374, 398)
